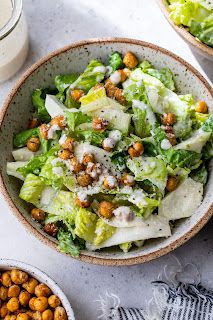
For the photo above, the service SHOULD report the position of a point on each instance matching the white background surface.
(53, 24)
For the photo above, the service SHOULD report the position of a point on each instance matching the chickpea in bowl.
(27, 293)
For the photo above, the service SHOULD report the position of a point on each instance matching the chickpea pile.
(24, 298)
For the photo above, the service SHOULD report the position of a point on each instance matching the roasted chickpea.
(88, 157)
(37, 315)
(136, 150)
(201, 107)
(31, 303)
(93, 170)
(69, 144)
(168, 129)
(30, 285)
(120, 97)
(41, 304)
(6, 279)
(3, 293)
(60, 314)
(82, 203)
(127, 180)
(33, 123)
(47, 315)
(110, 88)
(172, 138)
(123, 75)
(38, 214)
(76, 166)
(76, 94)
(24, 298)
(4, 311)
(106, 209)
(84, 180)
(33, 144)
(65, 154)
(44, 128)
(99, 124)
(51, 229)
(168, 119)
(130, 60)
(18, 276)
(30, 313)
(59, 121)
(13, 304)
(23, 316)
(10, 317)
(42, 290)
(54, 301)
(110, 182)
(172, 184)
(13, 291)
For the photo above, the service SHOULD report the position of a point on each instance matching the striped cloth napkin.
(177, 295)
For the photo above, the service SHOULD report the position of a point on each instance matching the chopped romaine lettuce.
(115, 61)
(195, 142)
(12, 169)
(62, 82)
(94, 73)
(21, 138)
(102, 232)
(76, 118)
(38, 100)
(24, 154)
(143, 118)
(85, 224)
(149, 168)
(32, 189)
(91, 136)
(200, 175)
(182, 202)
(67, 244)
(93, 95)
(125, 247)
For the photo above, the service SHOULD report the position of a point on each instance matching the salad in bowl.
(113, 156)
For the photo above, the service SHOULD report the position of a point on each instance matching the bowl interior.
(8, 264)
(74, 59)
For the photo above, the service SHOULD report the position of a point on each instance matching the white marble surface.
(55, 23)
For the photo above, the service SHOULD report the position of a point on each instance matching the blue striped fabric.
(184, 302)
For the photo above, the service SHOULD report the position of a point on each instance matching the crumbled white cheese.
(109, 143)
(115, 77)
(138, 198)
(52, 130)
(94, 170)
(112, 182)
(58, 171)
(165, 144)
(123, 213)
(62, 139)
(115, 135)
(82, 196)
(101, 69)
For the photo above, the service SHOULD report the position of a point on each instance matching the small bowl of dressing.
(13, 38)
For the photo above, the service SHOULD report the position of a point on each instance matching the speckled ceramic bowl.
(8, 264)
(194, 44)
(74, 58)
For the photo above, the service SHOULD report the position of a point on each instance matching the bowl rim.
(36, 272)
(184, 33)
(86, 257)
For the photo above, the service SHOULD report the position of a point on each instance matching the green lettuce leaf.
(149, 168)
(103, 232)
(165, 75)
(91, 136)
(67, 244)
(31, 189)
(125, 247)
(85, 224)
(76, 118)
(94, 73)
(143, 119)
(21, 138)
(62, 82)
(38, 100)
(200, 174)
(36, 163)
(115, 61)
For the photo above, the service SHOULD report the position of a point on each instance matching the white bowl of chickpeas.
(28, 293)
